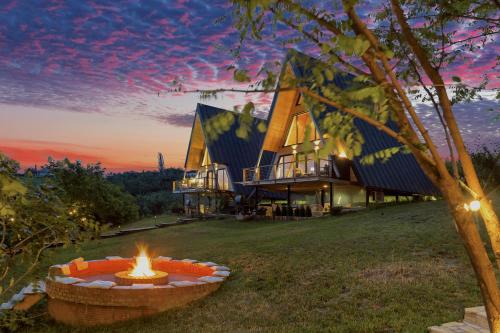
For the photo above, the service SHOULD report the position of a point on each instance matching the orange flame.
(142, 266)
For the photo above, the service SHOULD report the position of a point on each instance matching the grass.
(394, 269)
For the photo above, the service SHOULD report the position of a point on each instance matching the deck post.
(288, 203)
(367, 199)
(331, 198)
(322, 197)
(198, 203)
(256, 198)
(397, 198)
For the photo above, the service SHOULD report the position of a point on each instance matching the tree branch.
(362, 29)
(381, 126)
(319, 44)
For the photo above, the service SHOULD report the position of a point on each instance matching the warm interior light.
(142, 266)
(342, 154)
(474, 205)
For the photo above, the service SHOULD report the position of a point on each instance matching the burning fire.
(142, 266)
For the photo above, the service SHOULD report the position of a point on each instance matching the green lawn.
(394, 269)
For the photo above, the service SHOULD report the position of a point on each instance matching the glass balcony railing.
(211, 179)
(338, 168)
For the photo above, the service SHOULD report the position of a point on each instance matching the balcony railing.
(196, 184)
(337, 168)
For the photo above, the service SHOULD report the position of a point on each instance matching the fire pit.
(96, 292)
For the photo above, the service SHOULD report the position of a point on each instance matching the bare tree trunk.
(475, 249)
(487, 212)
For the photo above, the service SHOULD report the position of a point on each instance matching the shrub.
(277, 211)
(308, 211)
(302, 211)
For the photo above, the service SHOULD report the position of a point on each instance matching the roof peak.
(216, 108)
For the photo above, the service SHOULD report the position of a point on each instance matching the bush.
(87, 187)
(277, 211)
(302, 211)
(296, 212)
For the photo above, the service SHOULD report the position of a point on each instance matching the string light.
(473, 206)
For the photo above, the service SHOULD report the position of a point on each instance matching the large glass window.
(206, 158)
(222, 179)
(305, 165)
(284, 168)
(300, 125)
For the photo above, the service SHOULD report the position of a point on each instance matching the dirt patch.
(408, 272)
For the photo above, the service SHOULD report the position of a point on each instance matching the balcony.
(289, 172)
(210, 180)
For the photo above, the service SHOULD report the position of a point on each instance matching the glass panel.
(220, 179)
(311, 167)
(301, 165)
(206, 158)
(302, 122)
(324, 168)
(291, 137)
(210, 179)
(287, 166)
(279, 169)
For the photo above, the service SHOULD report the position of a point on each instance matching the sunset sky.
(89, 81)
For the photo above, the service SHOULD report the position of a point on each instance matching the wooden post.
(397, 198)
(256, 198)
(367, 199)
(199, 213)
(288, 203)
(322, 198)
(331, 198)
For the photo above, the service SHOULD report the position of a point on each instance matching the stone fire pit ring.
(86, 293)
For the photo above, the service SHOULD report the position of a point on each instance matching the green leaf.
(262, 127)
(11, 186)
(456, 78)
(329, 74)
(389, 54)
(241, 75)
(356, 148)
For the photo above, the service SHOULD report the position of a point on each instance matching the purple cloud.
(176, 119)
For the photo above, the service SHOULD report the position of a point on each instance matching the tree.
(88, 188)
(152, 190)
(397, 54)
(33, 218)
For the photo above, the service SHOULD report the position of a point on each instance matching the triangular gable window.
(206, 158)
(301, 123)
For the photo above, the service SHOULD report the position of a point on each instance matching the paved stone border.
(475, 321)
(123, 232)
(26, 298)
